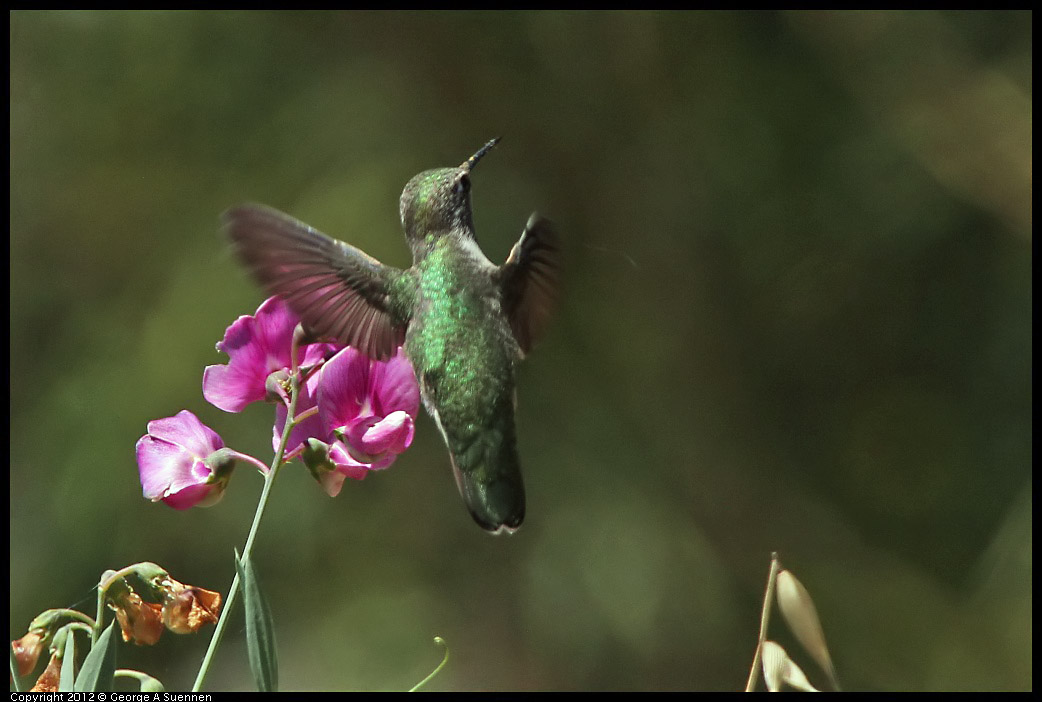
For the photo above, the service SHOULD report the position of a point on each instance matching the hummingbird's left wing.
(337, 290)
(529, 280)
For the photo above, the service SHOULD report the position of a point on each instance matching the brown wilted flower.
(27, 650)
(48, 680)
(140, 621)
(187, 608)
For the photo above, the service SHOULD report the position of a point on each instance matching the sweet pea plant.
(336, 410)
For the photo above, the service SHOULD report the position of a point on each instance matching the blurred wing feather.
(338, 291)
(529, 281)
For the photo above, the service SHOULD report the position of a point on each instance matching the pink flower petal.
(345, 463)
(257, 346)
(367, 410)
(159, 464)
(394, 386)
(237, 336)
(193, 496)
(171, 461)
(232, 387)
(393, 433)
(273, 329)
(343, 386)
(313, 353)
(383, 462)
(184, 429)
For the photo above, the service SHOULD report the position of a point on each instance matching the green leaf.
(100, 664)
(260, 633)
(66, 679)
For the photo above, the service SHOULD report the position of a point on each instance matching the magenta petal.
(371, 405)
(392, 434)
(232, 387)
(384, 462)
(198, 473)
(313, 353)
(238, 335)
(171, 461)
(353, 472)
(184, 429)
(167, 471)
(354, 433)
(394, 385)
(273, 328)
(343, 388)
(189, 497)
(256, 347)
(345, 463)
(251, 351)
(159, 464)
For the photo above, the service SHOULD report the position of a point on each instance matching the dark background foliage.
(797, 318)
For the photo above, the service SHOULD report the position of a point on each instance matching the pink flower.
(257, 346)
(183, 462)
(366, 413)
(369, 405)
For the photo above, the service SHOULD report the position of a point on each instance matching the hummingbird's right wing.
(337, 290)
(529, 280)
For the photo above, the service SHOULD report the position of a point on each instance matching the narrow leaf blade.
(260, 632)
(100, 664)
(67, 677)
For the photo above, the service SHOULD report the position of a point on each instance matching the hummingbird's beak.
(469, 164)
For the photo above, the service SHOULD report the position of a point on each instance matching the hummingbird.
(464, 322)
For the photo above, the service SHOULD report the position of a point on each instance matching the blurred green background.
(797, 318)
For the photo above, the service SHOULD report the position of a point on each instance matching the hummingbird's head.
(437, 202)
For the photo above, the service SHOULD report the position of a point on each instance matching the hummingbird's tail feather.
(488, 474)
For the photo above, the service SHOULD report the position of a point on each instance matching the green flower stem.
(52, 615)
(146, 682)
(95, 631)
(103, 588)
(444, 660)
(261, 468)
(262, 504)
(79, 626)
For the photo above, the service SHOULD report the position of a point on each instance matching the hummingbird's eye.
(462, 185)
